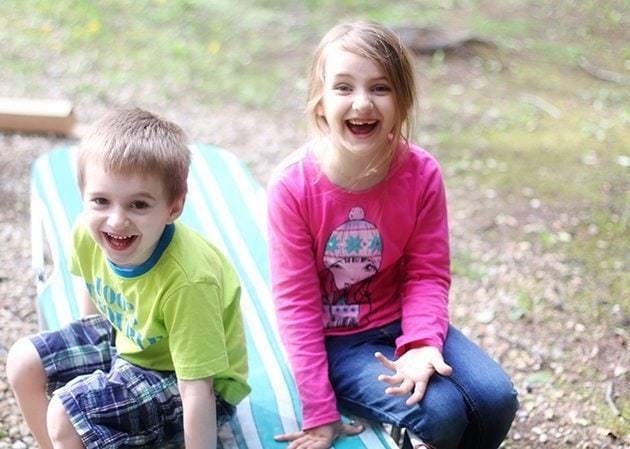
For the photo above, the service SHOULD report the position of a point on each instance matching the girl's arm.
(297, 297)
(427, 268)
(200, 413)
(424, 295)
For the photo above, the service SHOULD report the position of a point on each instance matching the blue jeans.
(472, 408)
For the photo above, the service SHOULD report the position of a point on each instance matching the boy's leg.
(62, 432)
(453, 413)
(28, 381)
(128, 406)
(38, 365)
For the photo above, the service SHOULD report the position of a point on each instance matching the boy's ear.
(177, 207)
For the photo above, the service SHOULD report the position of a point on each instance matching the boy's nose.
(118, 219)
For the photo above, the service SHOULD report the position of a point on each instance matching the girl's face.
(358, 104)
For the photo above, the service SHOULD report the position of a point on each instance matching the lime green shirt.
(179, 311)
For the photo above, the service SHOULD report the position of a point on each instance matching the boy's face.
(126, 213)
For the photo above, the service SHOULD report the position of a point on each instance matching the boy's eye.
(99, 201)
(139, 204)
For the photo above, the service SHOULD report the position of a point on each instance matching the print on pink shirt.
(352, 256)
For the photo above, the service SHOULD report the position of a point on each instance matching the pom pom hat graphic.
(354, 250)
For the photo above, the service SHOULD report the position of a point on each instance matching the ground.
(533, 143)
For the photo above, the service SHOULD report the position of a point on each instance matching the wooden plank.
(37, 115)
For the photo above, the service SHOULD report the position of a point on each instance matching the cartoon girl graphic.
(352, 256)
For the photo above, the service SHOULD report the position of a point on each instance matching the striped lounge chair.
(226, 205)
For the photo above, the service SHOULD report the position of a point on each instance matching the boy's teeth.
(118, 237)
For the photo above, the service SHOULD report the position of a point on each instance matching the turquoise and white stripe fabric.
(227, 206)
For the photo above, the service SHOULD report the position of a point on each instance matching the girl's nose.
(362, 102)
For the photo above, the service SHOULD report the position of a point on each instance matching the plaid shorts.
(111, 402)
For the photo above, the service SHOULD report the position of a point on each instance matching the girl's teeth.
(359, 127)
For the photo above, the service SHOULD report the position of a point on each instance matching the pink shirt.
(344, 262)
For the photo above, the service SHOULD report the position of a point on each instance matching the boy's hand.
(412, 372)
(321, 437)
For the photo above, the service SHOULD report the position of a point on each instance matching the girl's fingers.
(405, 387)
(385, 361)
(300, 443)
(288, 436)
(418, 393)
(391, 380)
(442, 368)
(307, 442)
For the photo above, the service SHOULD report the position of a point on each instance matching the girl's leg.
(28, 381)
(489, 394)
(459, 411)
(440, 419)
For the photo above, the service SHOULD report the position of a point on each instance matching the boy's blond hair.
(137, 141)
(382, 46)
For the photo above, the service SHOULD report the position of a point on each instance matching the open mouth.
(119, 242)
(361, 127)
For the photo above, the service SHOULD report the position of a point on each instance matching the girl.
(360, 264)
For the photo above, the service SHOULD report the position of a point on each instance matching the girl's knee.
(24, 366)
(501, 399)
(505, 406)
(509, 400)
(441, 419)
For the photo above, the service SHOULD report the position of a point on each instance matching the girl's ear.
(177, 208)
(319, 109)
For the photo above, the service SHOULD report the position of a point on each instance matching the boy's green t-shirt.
(179, 311)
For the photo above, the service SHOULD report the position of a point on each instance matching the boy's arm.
(86, 306)
(200, 413)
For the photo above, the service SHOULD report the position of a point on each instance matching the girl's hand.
(321, 437)
(412, 372)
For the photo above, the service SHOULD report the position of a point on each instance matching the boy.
(165, 355)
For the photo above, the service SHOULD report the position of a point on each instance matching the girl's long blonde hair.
(382, 46)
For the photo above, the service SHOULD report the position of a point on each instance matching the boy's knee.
(60, 429)
(24, 366)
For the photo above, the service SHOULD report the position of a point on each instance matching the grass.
(218, 51)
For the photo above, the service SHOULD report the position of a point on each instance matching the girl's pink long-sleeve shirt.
(344, 262)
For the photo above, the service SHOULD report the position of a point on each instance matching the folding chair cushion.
(227, 206)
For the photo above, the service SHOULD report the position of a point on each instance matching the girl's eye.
(342, 88)
(381, 88)
(139, 205)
